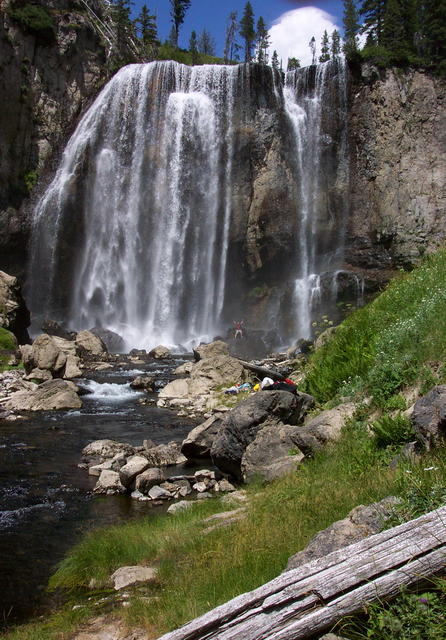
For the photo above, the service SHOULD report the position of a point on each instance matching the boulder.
(113, 341)
(26, 351)
(361, 522)
(324, 338)
(175, 389)
(184, 369)
(429, 417)
(134, 466)
(158, 493)
(53, 328)
(241, 425)
(271, 454)
(127, 576)
(211, 350)
(324, 428)
(88, 344)
(219, 370)
(148, 479)
(14, 315)
(72, 369)
(113, 464)
(182, 505)
(144, 383)
(107, 449)
(39, 375)
(45, 352)
(109, 484)
(164, 455)
(199, 441)
(160, 352)
(50, 395)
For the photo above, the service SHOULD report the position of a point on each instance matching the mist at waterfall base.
(135, 232)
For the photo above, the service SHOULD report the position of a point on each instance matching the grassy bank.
(387, 344)
(396, 340)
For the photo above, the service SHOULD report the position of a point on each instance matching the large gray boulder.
(160, 352)
(109, 484)
(219, 370)
(324, 428)
(272, 454)
(50, 395)
(88, 344)
(241, 425)
(211, 350)
(113, 341)
(14, 315)
(106, 449)
(164, 455)
(429, 417)
(199, 441)
(361, 522)
(148, 479)
(134, 466)
(45, 353)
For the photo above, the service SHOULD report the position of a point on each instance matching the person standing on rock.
(238, 326)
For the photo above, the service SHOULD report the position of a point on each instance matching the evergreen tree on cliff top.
(178, 9)
(247, 30)
(231, 46)
(351, 28)
(325, 48)
(147, 26)
(433, 28)
(262, 42)
(373, 12)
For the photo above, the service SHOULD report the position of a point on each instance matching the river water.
(46, 502)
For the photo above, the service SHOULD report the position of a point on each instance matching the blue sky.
(293, 22)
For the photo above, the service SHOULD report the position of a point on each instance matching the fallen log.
(311, 599)
(262, 371)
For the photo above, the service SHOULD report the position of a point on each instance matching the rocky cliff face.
(47, 77)
(398, 169)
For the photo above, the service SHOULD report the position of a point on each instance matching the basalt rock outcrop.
(397, 123)
(48, 76)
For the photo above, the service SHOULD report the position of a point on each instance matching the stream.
(46, 502)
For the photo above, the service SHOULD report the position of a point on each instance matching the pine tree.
(147, 26)
(206, 43)
(275, 60)
(335, 44)
(293, 63)
(193, 47)
(262, 42)
(230, 40)
(312, 45)
(178, 9)
(247, 30)
(433, 28)
(125, 31)
(373, 13)
(325, 48)
(393, 33)
(351, 28)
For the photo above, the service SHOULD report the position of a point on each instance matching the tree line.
(393, 32)
(396, 31)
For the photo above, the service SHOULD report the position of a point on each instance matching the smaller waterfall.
(322, 170)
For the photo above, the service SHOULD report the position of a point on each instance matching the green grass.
(381, 348)
(198, 572)
(8, 342)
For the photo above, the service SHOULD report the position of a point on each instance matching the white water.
(143, 198)
(111, 392)
(154, 158)
(306, 97)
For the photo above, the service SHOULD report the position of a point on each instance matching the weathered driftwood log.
(262, 371)
(312, 598)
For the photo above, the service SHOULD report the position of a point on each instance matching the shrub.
(35, 20)
(390, 430)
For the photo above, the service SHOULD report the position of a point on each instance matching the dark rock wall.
(46, 80)
(397, 168)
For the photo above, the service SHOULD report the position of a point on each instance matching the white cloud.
(292, 32)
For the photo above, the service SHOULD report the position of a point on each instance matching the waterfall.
(153, 225)
(316, 103)
(143, 198)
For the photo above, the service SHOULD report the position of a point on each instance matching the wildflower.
(430, 469)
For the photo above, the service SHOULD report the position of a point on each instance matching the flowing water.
(134, 232)
(45, 499)
(316, 104)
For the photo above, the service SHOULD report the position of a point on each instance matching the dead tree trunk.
(311, 599)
